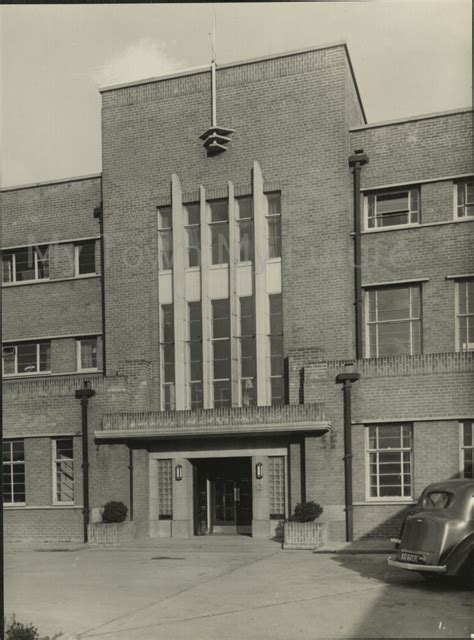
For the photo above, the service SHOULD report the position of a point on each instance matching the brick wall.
(153, 130)
(57, 211)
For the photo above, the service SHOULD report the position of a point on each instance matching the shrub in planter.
(114, 512)
(306, 512)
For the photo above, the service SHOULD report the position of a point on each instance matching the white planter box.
(303, 535)
(110, 533)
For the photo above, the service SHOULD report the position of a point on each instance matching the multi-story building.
(249, 237)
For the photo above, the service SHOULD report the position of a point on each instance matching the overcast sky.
(409, 57)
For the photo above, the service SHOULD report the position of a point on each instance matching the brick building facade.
(209, 301)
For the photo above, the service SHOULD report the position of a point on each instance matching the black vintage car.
(437, 536)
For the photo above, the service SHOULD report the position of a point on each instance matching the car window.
(436, 500)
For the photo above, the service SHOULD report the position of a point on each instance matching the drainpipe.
(356, 161)
(130, 467)
(346, 379)
(83, 395)
(99, 215)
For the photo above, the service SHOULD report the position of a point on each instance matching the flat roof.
(227, 65)
(423, 116)
(46, 183)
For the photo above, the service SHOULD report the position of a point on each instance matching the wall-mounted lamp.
(178, 472)
(259, 470)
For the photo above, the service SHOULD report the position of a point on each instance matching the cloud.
(143, 59)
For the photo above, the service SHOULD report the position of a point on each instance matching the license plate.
(414, 558)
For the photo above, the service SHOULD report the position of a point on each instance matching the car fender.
(457, 559)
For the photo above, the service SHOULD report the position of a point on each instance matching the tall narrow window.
(467, 449)
(465, 198)
(221, 353)
(246, 232)
(87, 354)
(27, 358)
(390, 461)
(219, 231)
(394, 321)
(465, 315)
(13, 472)
(247, 352)
(63, 476)
(167, 357)
(27, 263)
(165, 237)
(276, 350)
(85, 258)
(195, 355)
(193, 232)
(393, 208)
(274, 224)
(276, 487)
(165, 489)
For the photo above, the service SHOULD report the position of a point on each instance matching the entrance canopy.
(305, 419)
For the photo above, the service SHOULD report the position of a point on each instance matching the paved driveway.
(225, 588)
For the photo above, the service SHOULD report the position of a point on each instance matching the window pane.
(274, 203)
(244, 208)
(394, 339)
(414, 203)
(17, 450)
(468, 434)
(45, 356)
(221, 394)
(219, 211)
(193, 215)
(8, 356)
(416, 337)
(7, 267)
(392, 202)
(25, 264)
(373, 340)
(165, 218)
(194, 246)
(220, 243)
(86, 259)
(247, 317)
(393, 303)
(470, 296)
(166, 251)
(168, 397)
(88, 353)
(246, 241)
(278, 390)
(274, 237)
(167, 319)
(220, 318)
(249, 392)
(196, 395)
(276, 314)
(27, 358)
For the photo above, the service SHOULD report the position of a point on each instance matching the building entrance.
(222, 496)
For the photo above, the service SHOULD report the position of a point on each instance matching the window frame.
(39, 371)
(189, 361)
(11, 463)
(192, 226)
(241, 223)
(161, 232)
(167, 384)
(383, 192)
(275, 376)
(215, 224)
(57, 461)
(273, 217)
(13, 253)
(368, 451)
(462, 447)
(456, 206)
(214, 340)
(79, 367)
(77, 251)
(410, 320)
(457, 315)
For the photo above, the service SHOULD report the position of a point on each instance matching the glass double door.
(223, 496)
